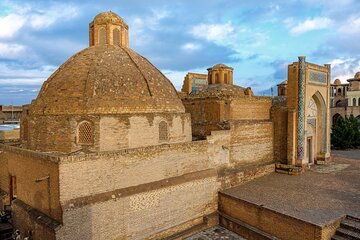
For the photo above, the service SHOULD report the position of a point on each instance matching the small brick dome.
(107, 79)
(337, 82)
(109, 17)
(357, 75)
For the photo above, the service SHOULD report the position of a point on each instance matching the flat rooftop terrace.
(319, 196)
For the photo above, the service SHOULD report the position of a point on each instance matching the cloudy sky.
(257, 38)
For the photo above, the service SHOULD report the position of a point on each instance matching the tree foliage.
(346, 133)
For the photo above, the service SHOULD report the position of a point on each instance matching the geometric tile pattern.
(301, 109)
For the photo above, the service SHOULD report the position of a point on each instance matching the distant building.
(345, 98)
(10, 114)
(193, 81)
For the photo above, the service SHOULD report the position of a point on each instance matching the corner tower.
(108, 28)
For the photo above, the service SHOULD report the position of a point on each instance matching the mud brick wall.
(250, 108)
(279, 116)
(111, 132)
(116, 170)
(9, 134)
(274, 223)
(251, 141)
(144, 214)
(28, 166)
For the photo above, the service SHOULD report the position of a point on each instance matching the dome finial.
(108, 28)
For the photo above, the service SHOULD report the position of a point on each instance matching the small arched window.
(102, 36)
(339, 91)
(216, 78)
(354, 101)
(163, 131)
(225, 78)
(85, 133)
(116, 37)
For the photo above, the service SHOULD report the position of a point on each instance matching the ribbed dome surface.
(107, 79)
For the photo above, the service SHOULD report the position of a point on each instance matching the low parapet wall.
(9, 134)
(237, 215)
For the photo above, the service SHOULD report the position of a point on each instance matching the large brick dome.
(107, 79)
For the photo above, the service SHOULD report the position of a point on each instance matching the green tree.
(355, 125)
(342, 133)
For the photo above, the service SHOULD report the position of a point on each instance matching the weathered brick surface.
(251, 141)
(106, 172)
(9, 134)
(28, 166)
(250, 108)
(279, 117)
(141, 215)
(264, 219)
(111, 132)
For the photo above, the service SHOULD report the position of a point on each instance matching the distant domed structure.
(105, 90)
(357, 75)
(337, 82)
(220, 74)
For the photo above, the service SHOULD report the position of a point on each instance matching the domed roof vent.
(108, 28)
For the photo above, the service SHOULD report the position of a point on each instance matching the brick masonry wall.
(251, 141)
(274, 223)
(111, 132)
(23, 221)
(250, 108)
(116, 170)
(142, 215)
(27, 166)
(9, 134)
(279, 116)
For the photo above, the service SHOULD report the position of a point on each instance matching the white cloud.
(48, 17)
(10, 25)
(344, 69)
(191, 47)
(11, 50)
(34, 18)
(11, 75)
(351, 26)
(310, 25)
(140, 26)
(213, 32)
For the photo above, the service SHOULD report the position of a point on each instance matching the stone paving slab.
(319, 196)
(216, 233)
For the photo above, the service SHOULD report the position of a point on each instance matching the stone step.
(5, 228)
(243, 229)
(348, 233)
(338, 237)
(6, 236)
(351, 224)
(353, 218)
(288, 169)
